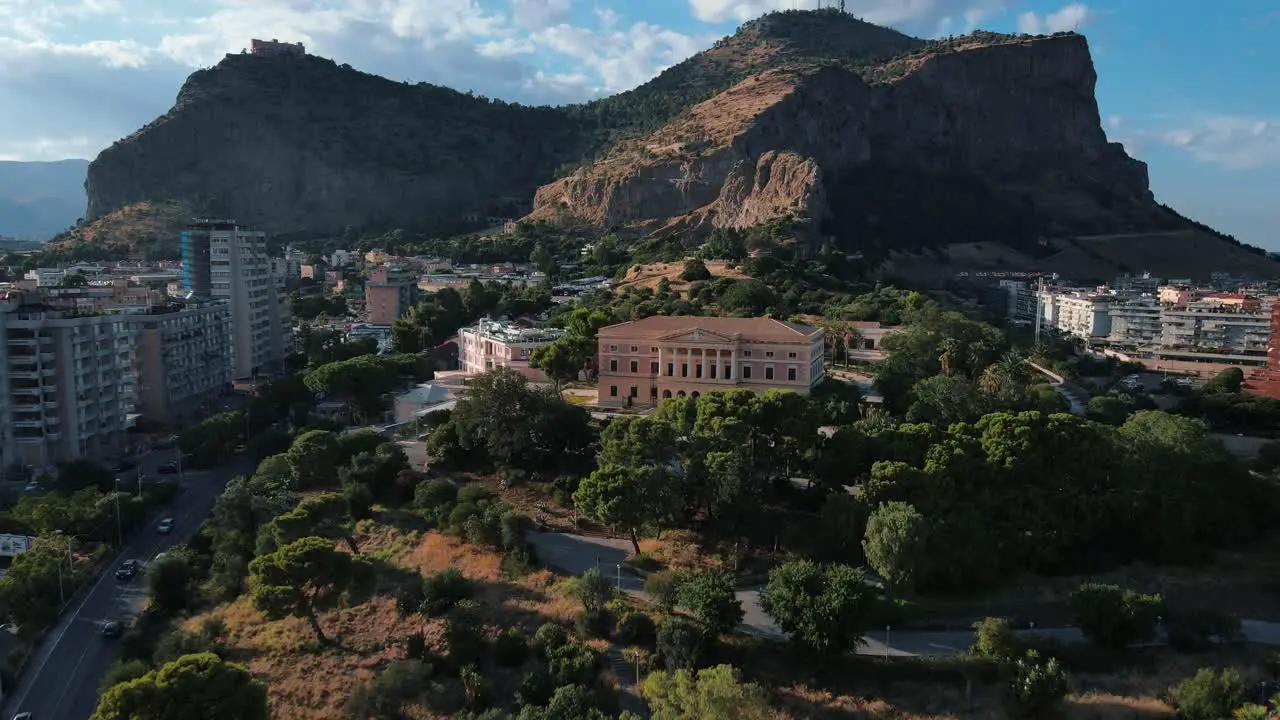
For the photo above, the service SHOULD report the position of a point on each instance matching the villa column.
(733, 360)
(660, 365)
(688, 360)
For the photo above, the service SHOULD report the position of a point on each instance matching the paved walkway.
(575, 554)
(1076, 396)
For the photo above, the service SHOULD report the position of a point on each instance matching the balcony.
(49, 372)
(24, 374)
(48, 357)
(20, 406)
(22, 342)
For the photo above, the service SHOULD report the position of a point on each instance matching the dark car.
(127, 570)
(169, 468)
(111, 630)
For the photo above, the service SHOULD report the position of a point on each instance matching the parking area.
(1152, 381)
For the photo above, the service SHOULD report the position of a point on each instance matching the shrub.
(574, 664)
(463, 633)
(434, 496)
(415, 647)
(125, 670)
(476, 688)
(1208, 695)
(1036, 685)
(549, 638)
(511, 648)
(644, 562)
(1113, 617)
(662, 586)
(1195, 631)
(594, 622)
(682, 643)
(444, 590)
(710, 597)
(536, 688)
(695, 270)
(593, 590)
(993, 639)
(636, 628)
(384, 696)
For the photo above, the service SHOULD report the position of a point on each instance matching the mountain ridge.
(872, 138)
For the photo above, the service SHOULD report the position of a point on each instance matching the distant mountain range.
(41, 199)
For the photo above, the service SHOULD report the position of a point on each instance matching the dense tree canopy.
(198, 687)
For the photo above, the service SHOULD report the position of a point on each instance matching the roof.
(659, 326)
(864, 324)
(428, 394)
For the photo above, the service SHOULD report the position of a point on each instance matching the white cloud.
(1114, 122)
(536, 14)
(1232, 141)
(1069, 17)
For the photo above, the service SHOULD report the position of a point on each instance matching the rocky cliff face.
(866, 150)
(303, 145)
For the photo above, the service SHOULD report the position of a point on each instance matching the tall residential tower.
(224, 261)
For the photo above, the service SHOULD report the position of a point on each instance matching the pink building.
(645, 361)
(491, 344)
(389, 294)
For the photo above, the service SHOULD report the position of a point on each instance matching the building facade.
(646, 361)
(1081, 314)
(181, 362)
(1136, 323)
(389, 293)
(226, 262)
(491, 344)
(69, 384)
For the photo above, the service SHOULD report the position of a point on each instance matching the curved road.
(575, 554)
(64, 674)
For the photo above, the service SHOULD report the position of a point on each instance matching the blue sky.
(1192, 88)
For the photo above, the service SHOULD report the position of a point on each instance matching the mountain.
(856, 133)
(38, 199)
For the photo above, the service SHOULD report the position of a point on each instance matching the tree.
(622, 497)
(944, 399)
(1208, 695)
(897, 544)
(193, 686)
(561, 361)
(80, 474)
(277, 473)
(382, 471)
(1230, 380)
(825, 609)
(172, 581)
(300, 578)
(1114, 617)
(709, 596)
(715, 693)
(695, 270)
(314, 459)
(324, 516)
(1037, 685)
(543, 260)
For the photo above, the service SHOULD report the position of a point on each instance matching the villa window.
(635, 367)
(768, 373)
(791, 374)
(746, 372)
(613, 366)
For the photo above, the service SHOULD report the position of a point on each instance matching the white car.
(165, 526)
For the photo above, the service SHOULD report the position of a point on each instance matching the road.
(575, 554)
(63, 677)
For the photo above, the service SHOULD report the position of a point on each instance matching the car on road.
(169, 468)
(165, 526)
(111, 629)
(22, 716)
(127, 570)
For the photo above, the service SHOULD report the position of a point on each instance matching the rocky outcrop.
(304, 145)
(1014, 122)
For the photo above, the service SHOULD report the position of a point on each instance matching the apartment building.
(224, 261)
(1213, 327)
(491, 344)
(69, 384)
(389, 293)
(1078, 313)
(1138, 322)
(645, 361)
(181, 361)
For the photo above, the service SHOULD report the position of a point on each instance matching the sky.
(1190, 87)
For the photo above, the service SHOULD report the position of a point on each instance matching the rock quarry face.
(863, 131)
(1018, 118)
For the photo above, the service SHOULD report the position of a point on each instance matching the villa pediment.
(695, 335)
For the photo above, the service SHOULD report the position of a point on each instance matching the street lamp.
(119, 523)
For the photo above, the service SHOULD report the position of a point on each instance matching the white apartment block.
(46, 277)
(69, 384)
(1211, 327)
(1081, 314)
(1136, 323)
(182, 361)
(224, 261)
(491, 344)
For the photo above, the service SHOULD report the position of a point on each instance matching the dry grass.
(134, 228)
(310, 681)
(648, 276)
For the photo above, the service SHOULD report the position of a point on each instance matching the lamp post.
(119, 523)
(619, 577)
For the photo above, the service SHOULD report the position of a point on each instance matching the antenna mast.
(841, 5)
